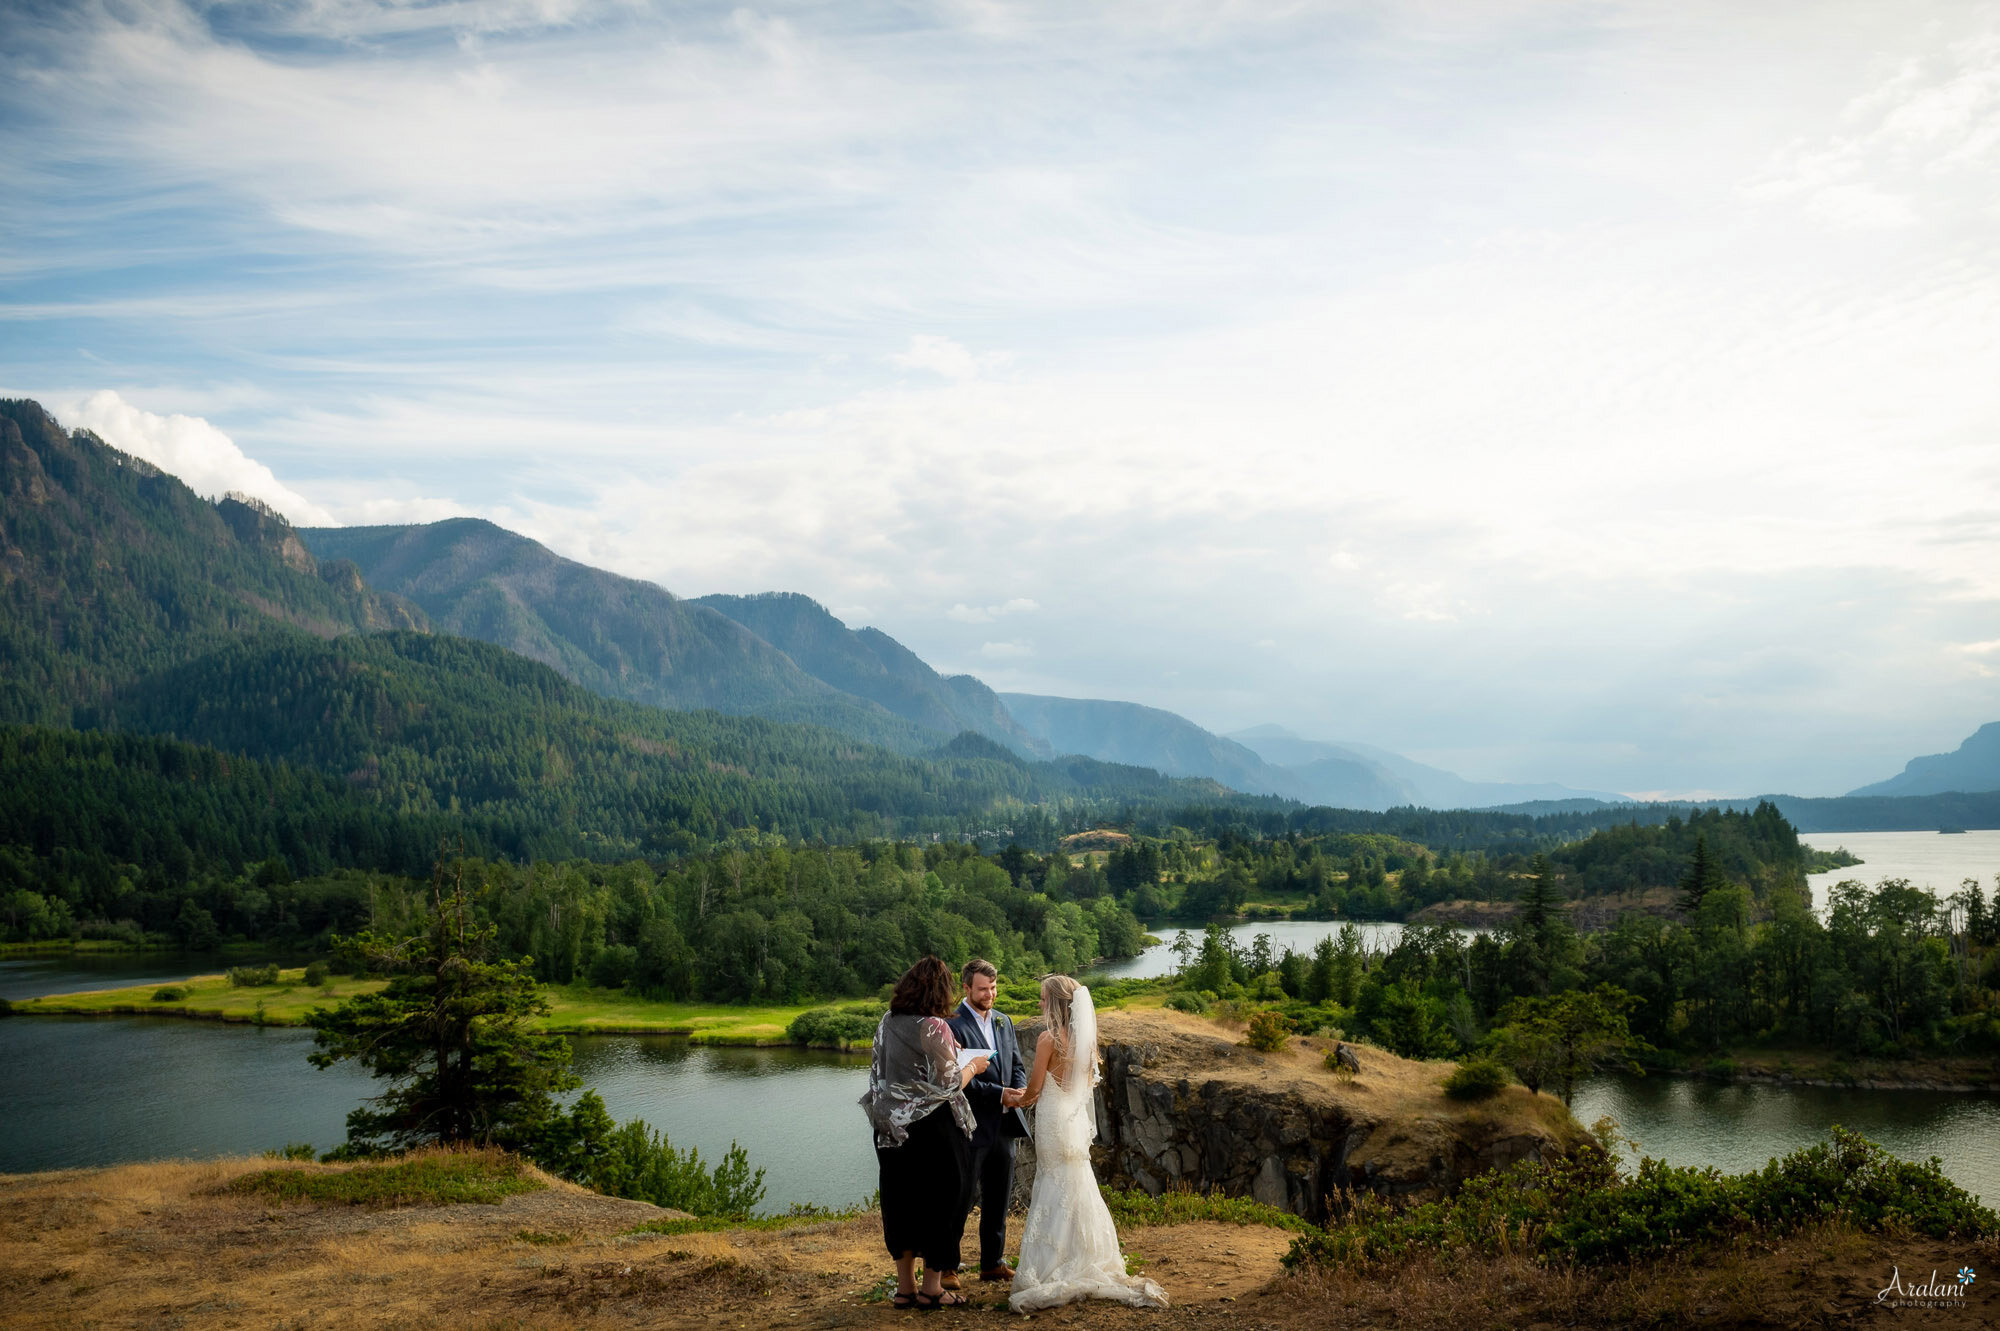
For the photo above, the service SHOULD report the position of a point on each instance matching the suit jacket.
(995, 1124)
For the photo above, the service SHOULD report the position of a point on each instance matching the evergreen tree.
(448, 1033)
(1541, 901)
(1703, 876)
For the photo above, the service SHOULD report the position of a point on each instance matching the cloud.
(381, 511)
(1525, 372)
(1922, 144)
(190, 448)
(942, 356)
(986, 614)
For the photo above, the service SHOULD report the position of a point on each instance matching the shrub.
(1188, 1000)
(170, 993)
(429, 1178)
(613, 966)
(637, 1162)
(1267, 1032)
(1579, 1209)
(842, 1027)
(1268, 988)
(291, 1151)
(1476, 1079)
(244, 977)
(315, 976)
(1180, 1205)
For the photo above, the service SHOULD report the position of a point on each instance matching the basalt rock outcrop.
(1180, 1105)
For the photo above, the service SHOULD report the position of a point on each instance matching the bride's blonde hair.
(1059, 1000)
(1058, 991)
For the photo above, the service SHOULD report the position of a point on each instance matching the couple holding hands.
(945, 1095)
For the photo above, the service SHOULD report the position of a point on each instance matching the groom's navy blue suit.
(993, 1138)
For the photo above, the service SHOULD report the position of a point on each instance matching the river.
(80, 1091)
(1934, 860)
(93, 1091)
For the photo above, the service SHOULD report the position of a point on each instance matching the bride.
(1069, 1247)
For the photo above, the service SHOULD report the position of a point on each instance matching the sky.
(1601, 393)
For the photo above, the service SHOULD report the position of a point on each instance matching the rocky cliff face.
(1181, 1106)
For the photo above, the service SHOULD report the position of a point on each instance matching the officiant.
(978, 1026)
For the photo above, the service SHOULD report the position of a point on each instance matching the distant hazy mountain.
(1337, 775)
(1973, 767)
(1125, 732)
(870, 664)
(1341, 774)
(616, 636)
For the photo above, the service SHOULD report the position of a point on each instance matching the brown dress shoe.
(1000, 1272)
(949, 1280)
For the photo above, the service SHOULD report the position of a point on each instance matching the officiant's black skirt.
(927, 1190)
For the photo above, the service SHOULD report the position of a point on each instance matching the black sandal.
(902, 1302)
(930, 1303)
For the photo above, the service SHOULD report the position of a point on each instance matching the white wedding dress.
(1069, 1247)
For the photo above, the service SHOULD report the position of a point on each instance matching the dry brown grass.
(169, 1245)
(1825, 1276)
(172, 1244)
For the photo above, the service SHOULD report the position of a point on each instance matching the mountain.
(1125, 732)
(1335, 775)
(130, 605)
(1971, 768)
(1342, 771)
(537, 767)
(621, 637)
(110, 568)
(870, 664)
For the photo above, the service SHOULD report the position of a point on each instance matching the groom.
(977, 1026)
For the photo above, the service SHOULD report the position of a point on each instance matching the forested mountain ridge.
(1973, 767)
(621, 637)
(435, 724)
(132, 604)
(109, 568)
(870, 664)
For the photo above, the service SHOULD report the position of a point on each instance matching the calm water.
(30, 977)
(1739, 1126)
(100, 1090)
(92, 1091)
(1298, 935)
(1927, 859)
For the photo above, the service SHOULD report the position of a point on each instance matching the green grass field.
(574, 1010)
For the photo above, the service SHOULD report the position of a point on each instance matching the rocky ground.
(1183, 1104)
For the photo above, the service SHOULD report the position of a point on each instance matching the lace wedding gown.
(1069, 1247)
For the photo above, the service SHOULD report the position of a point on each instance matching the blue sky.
(1599, 393)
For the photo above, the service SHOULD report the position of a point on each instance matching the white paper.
(967, 1055)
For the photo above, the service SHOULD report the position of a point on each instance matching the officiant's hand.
(972, 1068)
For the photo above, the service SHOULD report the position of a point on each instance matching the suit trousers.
(993, 1178)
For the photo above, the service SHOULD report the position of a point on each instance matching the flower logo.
(1965, 1275)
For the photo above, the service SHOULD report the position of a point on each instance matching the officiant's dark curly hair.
(924, 990)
